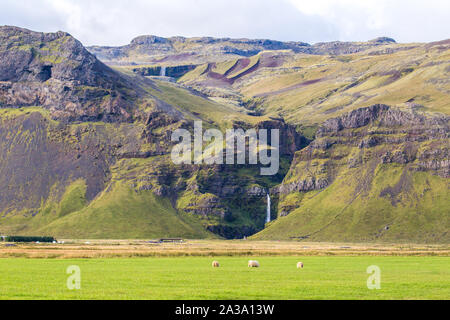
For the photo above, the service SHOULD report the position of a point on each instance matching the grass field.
(140, 270)
(194, 278)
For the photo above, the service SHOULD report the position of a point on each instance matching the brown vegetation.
(141, 248)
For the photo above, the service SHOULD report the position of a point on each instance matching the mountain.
(304, 88)
(151, 49)
(85, 145)
(56, 72)
(85, 150)
(376, 173)
(308, 89)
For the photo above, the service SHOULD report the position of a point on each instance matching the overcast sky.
(116, 22)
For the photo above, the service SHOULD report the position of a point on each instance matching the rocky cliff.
(55, 71)
(370, 174)
(74, 132)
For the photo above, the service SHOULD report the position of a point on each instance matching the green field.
(325, 277)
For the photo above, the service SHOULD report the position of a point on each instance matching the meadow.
(326, 276)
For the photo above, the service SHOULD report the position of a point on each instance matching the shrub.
(29, 239)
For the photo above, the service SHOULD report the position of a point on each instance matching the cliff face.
(408, 138)
(370, 174)
(339, 47)
(173, 72)
(399, 137)
(152, 48)
(55, 71)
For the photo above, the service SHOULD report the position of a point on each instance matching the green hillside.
(85, 147)
(371, 182)
(345, 211)
(122, 213)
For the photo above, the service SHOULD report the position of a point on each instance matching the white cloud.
(115, 22)
(405, 20)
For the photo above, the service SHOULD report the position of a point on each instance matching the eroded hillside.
(85, 147)
(74, 165)
(376, 173)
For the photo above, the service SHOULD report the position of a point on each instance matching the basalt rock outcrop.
(55, 71)
(219, 195)
(368, 137)
(289, 139)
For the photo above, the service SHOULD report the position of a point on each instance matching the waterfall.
(268, 208)
(163, 72)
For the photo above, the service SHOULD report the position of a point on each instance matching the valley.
(85, 138)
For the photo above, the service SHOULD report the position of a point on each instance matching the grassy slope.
(196, 107)
(194, 278)
(346, 211)
(123, 213)
(223, 67)
(119, 213)
(253, 61)
(308, 89)
(421, 77)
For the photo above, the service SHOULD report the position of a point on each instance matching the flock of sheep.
(253, 264)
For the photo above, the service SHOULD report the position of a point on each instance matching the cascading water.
(268, 209)
(163, 72)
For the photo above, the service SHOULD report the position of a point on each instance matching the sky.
(116, 22)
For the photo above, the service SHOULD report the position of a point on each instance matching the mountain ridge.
(150, 48)
(363, 155)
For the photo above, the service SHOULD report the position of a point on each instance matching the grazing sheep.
(215, 264)
(299, 265)
(253, 264)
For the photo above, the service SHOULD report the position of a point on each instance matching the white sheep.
(215, 264)
(253, 264)
(299, 265)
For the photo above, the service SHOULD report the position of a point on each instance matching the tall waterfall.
(163, 72)
(268, 208)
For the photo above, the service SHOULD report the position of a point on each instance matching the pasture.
(193, 277)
